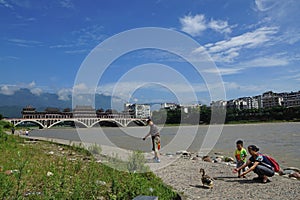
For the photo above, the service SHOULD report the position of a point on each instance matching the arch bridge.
(80, 122)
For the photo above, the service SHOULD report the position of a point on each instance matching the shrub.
(95, 149)
(136, 162)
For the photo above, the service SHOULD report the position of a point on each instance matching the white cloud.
(36, 91)
(265, 62)
(88, 35)
(247, 40)
(283, 14)
(224, 71)
(195, 25)
(58, 46)
(228, 50)
(8, 89)
(66, 4)
(9, 58)
(64, 94)
(81, 88)
(76, 51)
(83, 39)
(265, 5)
(5, 4)
(11, 89)
(24, 43)
(32, 84)
(126, 90)
(219, 26)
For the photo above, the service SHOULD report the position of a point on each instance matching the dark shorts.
(239, 164)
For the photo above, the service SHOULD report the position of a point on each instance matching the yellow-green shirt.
(240, 154)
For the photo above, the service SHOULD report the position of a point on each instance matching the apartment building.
(271, 99)
(137, 110)
(291, 99)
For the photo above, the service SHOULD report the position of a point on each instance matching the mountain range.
(12, 105)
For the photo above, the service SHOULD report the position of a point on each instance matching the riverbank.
(35, 169)
(181, 172)
(184, 176)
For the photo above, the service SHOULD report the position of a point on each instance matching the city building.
(186, 108)
(170, 106)
(84, 112)
(291, 99)
(221, 103)
(271, 99)
(137, 110)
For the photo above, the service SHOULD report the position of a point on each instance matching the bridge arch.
(107, 120)
(137, 122)
(68, 120)
(32, 121)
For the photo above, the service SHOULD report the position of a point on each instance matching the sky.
(254, 45)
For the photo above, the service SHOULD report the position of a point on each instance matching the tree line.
(202, 115)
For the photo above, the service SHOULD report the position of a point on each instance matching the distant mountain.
(11, 105)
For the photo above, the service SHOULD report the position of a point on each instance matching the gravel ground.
(183, 175)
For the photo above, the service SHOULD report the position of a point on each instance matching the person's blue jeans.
(261, 170)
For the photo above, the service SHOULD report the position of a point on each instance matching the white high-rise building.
(137, 110)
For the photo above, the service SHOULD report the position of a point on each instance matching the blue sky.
(254, 43)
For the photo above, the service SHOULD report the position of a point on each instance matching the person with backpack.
(259, 164)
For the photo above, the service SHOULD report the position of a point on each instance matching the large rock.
(206, 159)
(293, 168)
(229, 159)
(295, 175)
(218, 160)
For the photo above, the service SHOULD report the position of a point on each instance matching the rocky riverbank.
(183, 175)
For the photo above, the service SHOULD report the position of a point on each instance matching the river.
(280, 140)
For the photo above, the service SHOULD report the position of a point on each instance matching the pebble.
(100, 182)
(32, 193)
(184, 177)
(50, 152)
(217, 160)
(9, 172)
(50, 174)
(219, 153)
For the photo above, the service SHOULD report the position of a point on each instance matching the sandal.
(266, 180)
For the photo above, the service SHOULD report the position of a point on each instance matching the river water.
(280, 140)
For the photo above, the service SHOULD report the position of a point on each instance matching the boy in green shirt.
(240, 155)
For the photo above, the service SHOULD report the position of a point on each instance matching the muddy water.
(281, 140)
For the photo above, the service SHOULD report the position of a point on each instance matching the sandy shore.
(183, 175)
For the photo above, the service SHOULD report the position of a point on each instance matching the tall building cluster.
(266, 100)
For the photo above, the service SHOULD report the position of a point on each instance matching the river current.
(280, 140)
